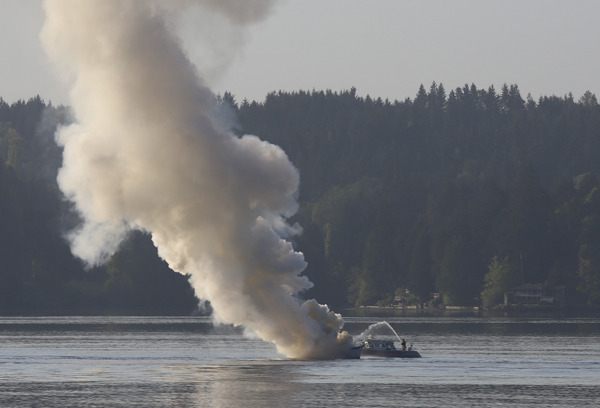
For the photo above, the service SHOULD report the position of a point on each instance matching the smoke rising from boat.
(147, 152)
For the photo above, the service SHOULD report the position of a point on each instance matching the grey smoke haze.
(147, 152)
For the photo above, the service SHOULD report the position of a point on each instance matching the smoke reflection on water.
(248, 385)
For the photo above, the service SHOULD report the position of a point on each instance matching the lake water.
(186, 362)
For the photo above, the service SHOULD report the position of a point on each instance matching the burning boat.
(354, 352)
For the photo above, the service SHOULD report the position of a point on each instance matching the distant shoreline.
(467, 311)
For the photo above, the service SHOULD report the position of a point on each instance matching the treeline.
(38, 274)
(431, 194)
(467, 193)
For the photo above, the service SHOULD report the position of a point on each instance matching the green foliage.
(498, 280)
(589, 259)
(420, 276)
(38, 274)
(9, 146)
(362, 290)
(407, 297)
(141, 282)
(417, 194)
(460, 175)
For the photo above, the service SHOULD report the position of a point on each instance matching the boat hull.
(353, 354)
(392, 353)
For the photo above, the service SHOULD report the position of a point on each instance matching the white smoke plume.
(147, 153)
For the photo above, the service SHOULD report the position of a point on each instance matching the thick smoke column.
(147, 153)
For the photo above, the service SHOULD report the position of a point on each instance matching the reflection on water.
(185, 362)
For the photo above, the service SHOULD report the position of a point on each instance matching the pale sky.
(382, 47)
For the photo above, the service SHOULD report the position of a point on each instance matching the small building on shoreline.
(536, 294)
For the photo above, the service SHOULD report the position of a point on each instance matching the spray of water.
(376, 329)
(147, 152)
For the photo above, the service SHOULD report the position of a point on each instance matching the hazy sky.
(382, 47)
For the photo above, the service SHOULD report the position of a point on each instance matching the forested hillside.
(466, 193)
(424, 194)
(38, 274)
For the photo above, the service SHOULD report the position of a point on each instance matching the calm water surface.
(186, 362)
